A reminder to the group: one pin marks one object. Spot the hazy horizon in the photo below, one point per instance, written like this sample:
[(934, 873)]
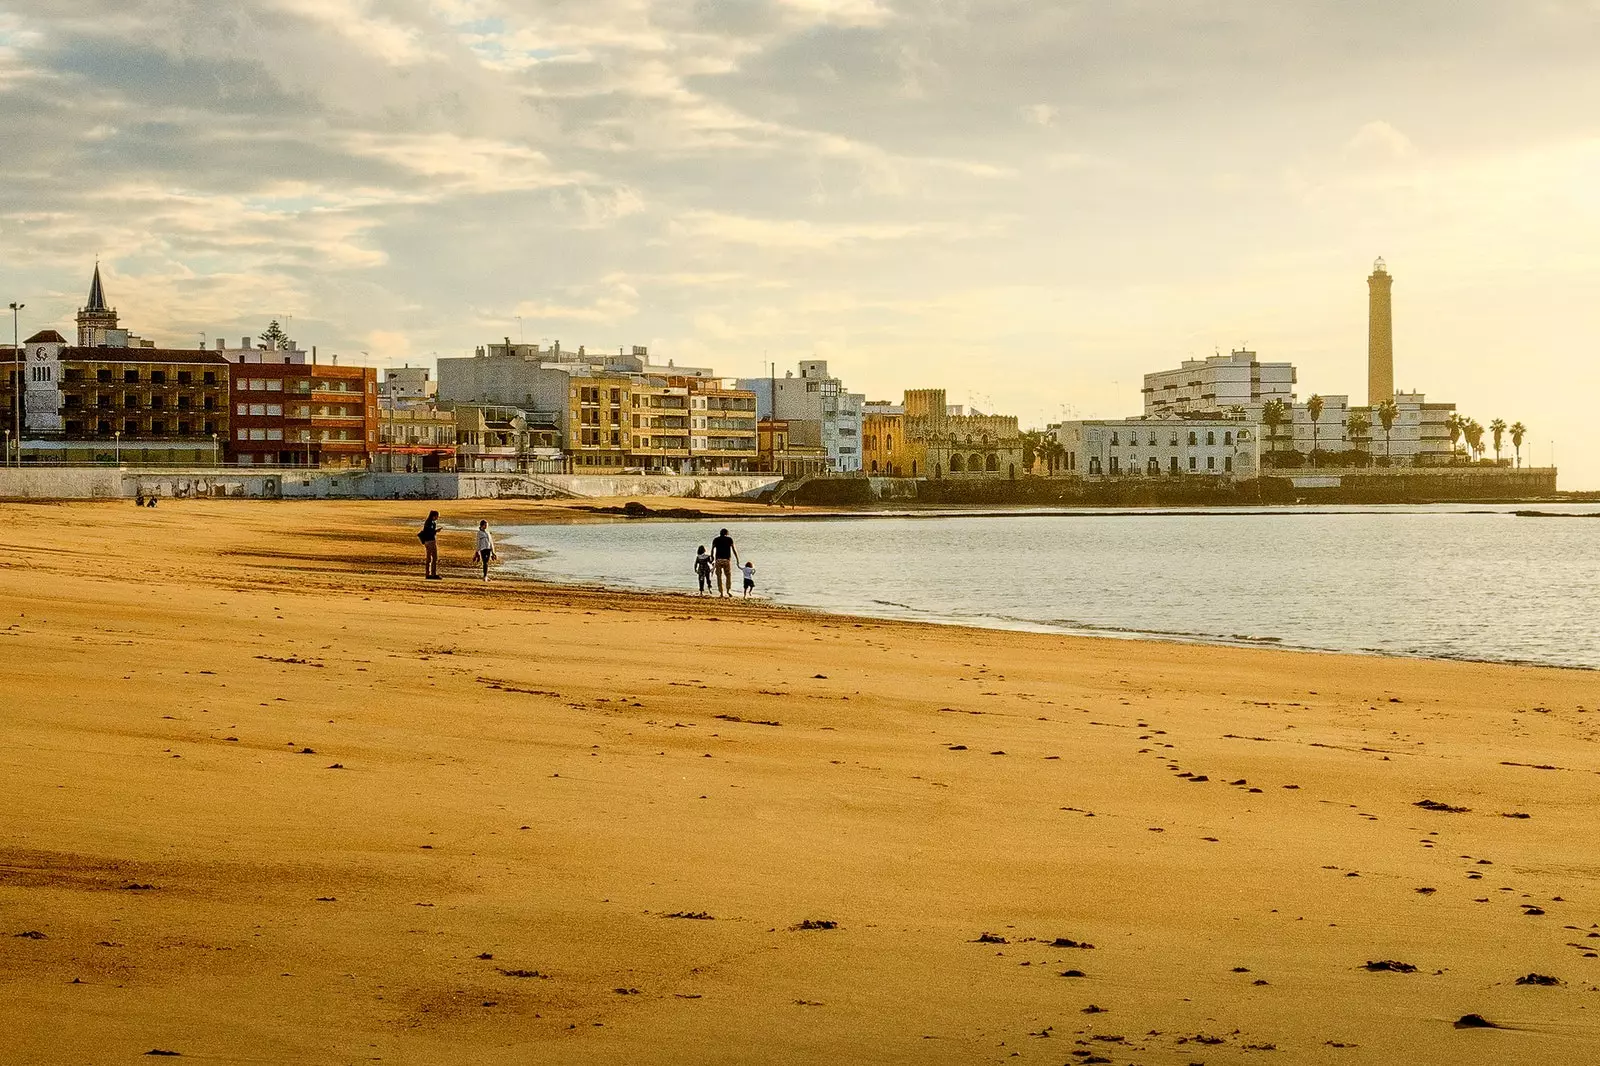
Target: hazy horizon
[(1028, 205)]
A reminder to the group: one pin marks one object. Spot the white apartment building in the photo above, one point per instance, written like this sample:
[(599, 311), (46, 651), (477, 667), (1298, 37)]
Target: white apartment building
[(1420, 429), (414, 383), (815, 396), (1161, 447), (1217, 383)]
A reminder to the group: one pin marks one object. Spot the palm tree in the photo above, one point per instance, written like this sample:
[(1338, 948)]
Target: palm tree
[(1474, 434), (1314, 409), (1356, 424), (1274, 413), (1387, 413), (1498, 428), (1518, 431), (1457, 426)]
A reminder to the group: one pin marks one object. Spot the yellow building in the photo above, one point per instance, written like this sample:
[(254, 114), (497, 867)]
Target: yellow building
[(791, 449), (660, 425), (722, 426), (927, 437), (599, 423)]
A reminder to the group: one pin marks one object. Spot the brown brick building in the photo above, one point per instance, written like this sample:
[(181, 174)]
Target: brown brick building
[(287, 410)]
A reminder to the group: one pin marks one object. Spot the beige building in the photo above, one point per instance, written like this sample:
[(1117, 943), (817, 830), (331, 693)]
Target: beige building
[(660, 425), (414, 438), (1160, 447), (791, 449), (926, 437)]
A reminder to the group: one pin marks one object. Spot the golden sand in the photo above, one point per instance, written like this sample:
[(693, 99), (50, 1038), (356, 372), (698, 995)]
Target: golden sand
[(269, 797)]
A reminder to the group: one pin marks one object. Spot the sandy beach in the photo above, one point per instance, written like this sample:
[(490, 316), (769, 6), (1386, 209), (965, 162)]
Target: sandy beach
[(269, 797)]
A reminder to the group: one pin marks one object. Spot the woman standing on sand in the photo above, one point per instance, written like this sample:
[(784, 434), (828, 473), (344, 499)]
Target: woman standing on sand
[(485, 546), (430, 546)]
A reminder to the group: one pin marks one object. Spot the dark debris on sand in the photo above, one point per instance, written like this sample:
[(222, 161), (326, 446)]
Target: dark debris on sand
[(1474, 1021), (815, 923), (1538, 979), (1390, 966), (1436, 805)]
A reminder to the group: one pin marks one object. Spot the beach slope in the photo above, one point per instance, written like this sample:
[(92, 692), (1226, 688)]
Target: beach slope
[(269, 797)]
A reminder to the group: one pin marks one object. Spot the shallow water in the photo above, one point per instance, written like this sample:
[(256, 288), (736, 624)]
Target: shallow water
[(1445, 581)]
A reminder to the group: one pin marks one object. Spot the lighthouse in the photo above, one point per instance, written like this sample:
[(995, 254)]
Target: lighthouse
[(1380, 336)]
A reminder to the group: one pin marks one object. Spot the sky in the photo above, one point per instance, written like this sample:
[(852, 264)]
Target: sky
[(1028, 203)]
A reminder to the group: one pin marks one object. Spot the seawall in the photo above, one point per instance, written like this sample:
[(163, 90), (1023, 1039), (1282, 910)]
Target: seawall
[(107, 482)]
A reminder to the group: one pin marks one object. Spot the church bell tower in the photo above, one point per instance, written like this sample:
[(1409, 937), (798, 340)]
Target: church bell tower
[(95, 316)]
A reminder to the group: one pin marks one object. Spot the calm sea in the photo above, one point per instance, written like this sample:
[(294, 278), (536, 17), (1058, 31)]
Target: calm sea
[(1447, 581)]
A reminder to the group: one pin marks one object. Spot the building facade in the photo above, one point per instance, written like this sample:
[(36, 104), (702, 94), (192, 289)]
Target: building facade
[(722, 428), (288, 410), (414, 437), (1160, 447), (407, 384), (815, 396), (1216, 384), (113, 397), (791, 450), (926, 437)]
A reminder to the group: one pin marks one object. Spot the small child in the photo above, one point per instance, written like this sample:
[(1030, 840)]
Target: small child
[(702, 568), (749, 577)]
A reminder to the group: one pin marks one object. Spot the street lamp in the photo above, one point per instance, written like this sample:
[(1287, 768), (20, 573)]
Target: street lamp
[(116, 439), (214, 450), (16, 381)]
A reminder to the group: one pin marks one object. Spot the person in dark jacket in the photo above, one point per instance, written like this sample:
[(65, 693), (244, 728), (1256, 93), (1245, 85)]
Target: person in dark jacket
[(430, 546)]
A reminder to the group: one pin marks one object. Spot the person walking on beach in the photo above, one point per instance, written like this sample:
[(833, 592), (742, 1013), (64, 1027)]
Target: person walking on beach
[(749, 578), (723, 556), (702, 568), (429, 536), (485, 547)]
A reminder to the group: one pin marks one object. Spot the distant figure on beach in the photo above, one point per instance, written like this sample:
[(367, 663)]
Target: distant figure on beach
[(702, 568), (749, 577), (429, 536), (485, 547), (152, 502), (723, 556), (138, 501)]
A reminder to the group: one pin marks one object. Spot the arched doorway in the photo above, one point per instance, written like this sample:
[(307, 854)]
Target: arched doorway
[(993, 464), (1094, 464), (957, 464)]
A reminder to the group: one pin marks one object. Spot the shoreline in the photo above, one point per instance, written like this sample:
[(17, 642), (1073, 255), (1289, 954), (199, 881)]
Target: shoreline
[(270, 795)]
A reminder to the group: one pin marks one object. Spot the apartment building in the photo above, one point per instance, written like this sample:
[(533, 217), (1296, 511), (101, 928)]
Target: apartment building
[(815, 396), (1216, 384), (790, 449), (414, 437), (722, 428), (661, 417), (287, 409)]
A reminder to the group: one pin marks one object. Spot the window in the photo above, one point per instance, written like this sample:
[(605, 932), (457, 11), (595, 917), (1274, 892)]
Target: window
[(1114, 443), (258, 409), (1211, 462), (130, 427), (102, 375), (1172, 466), (1227, 463), (1211, 437), (258, 434), (1192, 440), (158, 427), (257, 385), (244, 434), (185, 377), (1114, 467), (275, 410), (274, 434), (158, 377), (1191, 462), (130, 376), (211, 377), (158, 401), (243, 409), (274, 385), (1227, 437)]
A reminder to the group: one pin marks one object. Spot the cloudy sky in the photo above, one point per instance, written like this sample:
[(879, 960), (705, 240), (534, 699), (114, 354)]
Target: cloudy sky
[(1027, 202)]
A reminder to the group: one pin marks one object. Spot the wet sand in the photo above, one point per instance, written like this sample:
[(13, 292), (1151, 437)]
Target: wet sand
[(269, 797)]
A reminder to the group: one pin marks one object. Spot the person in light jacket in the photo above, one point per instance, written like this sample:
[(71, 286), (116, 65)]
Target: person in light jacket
[(485, 547)]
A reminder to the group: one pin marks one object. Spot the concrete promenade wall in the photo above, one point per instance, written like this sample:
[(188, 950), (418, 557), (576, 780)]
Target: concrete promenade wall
[(107, 482)]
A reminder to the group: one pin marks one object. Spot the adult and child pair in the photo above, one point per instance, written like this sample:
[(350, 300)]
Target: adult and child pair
[(721, 560), (429, 536)]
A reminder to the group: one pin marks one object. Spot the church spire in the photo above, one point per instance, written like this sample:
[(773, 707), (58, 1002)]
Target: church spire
[(96, 320), (97, 295)]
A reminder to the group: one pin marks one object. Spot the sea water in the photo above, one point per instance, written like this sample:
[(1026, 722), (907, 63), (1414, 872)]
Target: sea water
[(1444, 581)]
